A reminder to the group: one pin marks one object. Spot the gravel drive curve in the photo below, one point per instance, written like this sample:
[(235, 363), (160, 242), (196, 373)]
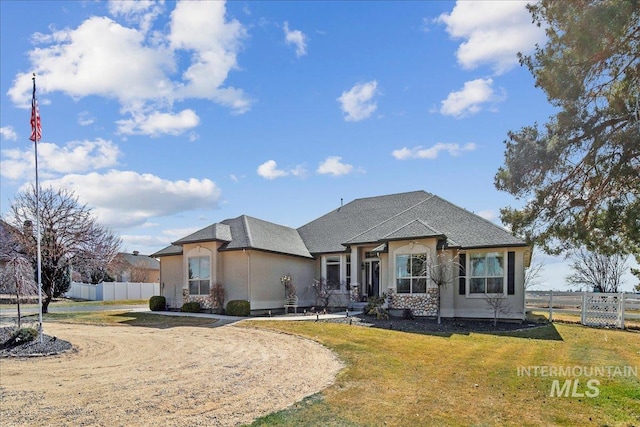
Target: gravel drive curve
[(181, 376)]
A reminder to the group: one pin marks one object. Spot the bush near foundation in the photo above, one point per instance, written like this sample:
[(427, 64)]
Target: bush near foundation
[(191, 307), (157, 303), (238, 308)]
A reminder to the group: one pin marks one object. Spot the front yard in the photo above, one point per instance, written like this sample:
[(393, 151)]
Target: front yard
[(405, 379), (390, 377)]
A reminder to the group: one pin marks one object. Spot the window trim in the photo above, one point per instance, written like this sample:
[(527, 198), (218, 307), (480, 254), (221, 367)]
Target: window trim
[(342, 287), (189, 280), (468, 277), (410, 254)]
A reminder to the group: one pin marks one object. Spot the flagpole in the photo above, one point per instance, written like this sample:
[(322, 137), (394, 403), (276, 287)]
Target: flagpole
[(35, 117)]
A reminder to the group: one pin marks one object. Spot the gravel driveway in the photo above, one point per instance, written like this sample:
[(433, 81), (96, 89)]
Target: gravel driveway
[(182, 376)]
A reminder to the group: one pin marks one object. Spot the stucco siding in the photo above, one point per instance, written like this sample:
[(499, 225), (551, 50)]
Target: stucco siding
[(171, 279), (255, 276)]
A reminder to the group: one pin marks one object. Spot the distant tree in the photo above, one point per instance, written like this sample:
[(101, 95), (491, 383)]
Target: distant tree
[(580, 173), (636, 272), (70, 236), (533, 273), (600, 272)]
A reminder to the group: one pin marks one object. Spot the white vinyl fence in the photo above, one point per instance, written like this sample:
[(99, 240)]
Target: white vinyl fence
[(595, 309), (111, 291)]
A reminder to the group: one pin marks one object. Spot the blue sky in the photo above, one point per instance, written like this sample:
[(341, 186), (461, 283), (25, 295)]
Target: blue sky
[(166, 117)]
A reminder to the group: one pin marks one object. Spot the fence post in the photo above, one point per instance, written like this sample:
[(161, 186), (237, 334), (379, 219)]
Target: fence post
[(621, 308), (583, 317), (551, 306)]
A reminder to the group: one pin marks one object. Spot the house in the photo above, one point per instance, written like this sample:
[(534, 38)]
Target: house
[(368, 247), (134, 267)]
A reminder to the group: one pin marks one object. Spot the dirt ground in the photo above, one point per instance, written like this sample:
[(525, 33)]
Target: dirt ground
[(182, 376)]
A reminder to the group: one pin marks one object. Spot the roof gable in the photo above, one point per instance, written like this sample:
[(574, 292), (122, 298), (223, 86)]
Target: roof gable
[(214, 232), (253, 233), (402, 216), (327, 233)]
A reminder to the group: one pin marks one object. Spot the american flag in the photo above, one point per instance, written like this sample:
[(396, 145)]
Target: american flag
[(36, 127)]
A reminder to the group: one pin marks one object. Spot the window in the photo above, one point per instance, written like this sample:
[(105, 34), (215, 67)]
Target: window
[(333, 272), (486, 273), (199, 275), (411, 274)]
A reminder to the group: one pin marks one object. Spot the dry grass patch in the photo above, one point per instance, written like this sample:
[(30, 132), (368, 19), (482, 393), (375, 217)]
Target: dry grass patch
[(123, 317), (404, 379)]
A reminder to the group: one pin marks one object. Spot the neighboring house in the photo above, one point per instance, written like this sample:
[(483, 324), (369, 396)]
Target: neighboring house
[(134, 267), (365, 248)]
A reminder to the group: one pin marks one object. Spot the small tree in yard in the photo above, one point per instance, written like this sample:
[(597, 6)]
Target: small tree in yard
[(17, 278), (499, 305), (441, 270), (322, 291), (70, 236)]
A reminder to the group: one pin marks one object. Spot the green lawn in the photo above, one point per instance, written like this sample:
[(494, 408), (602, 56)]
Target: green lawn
[(402, 379)]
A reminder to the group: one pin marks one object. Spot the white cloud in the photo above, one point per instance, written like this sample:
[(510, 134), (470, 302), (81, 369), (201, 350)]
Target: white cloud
[(8, 133), (470, 98), (432, 152), (357, 103), (85, 119), (127, 199), (158, 123), (494, 32), (141, 12), (296, 38), (137, 67), (269, 170), (333, 166), (53, 160)]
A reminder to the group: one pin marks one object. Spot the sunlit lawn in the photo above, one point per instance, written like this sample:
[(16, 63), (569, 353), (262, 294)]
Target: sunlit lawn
[(405, 379), (402, 379)]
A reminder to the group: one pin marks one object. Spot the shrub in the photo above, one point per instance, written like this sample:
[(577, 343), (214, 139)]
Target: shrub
[(374, 307), (191, 307), (157, 303), (20, 336), (238, 308)]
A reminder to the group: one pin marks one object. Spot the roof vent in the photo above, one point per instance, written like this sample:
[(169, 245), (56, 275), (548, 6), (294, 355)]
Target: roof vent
[(135, 253)]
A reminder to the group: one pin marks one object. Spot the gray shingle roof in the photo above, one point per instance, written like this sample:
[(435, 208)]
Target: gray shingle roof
[(215, 232), (245, 232), (144, 261), (327, 233), (253, 233), (402, 216), (168, 251)]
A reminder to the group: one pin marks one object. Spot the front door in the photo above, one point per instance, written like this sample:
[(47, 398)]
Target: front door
[(372, 277)]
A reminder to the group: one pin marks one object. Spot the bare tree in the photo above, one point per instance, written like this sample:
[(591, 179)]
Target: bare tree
[(602, 273), (533, 273), (16, 277), (441, 269), (70, 236), (323, 291), (499, 305)]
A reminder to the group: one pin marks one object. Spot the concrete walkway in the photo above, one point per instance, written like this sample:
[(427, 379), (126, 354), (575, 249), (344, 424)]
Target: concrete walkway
[(231, 319)]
